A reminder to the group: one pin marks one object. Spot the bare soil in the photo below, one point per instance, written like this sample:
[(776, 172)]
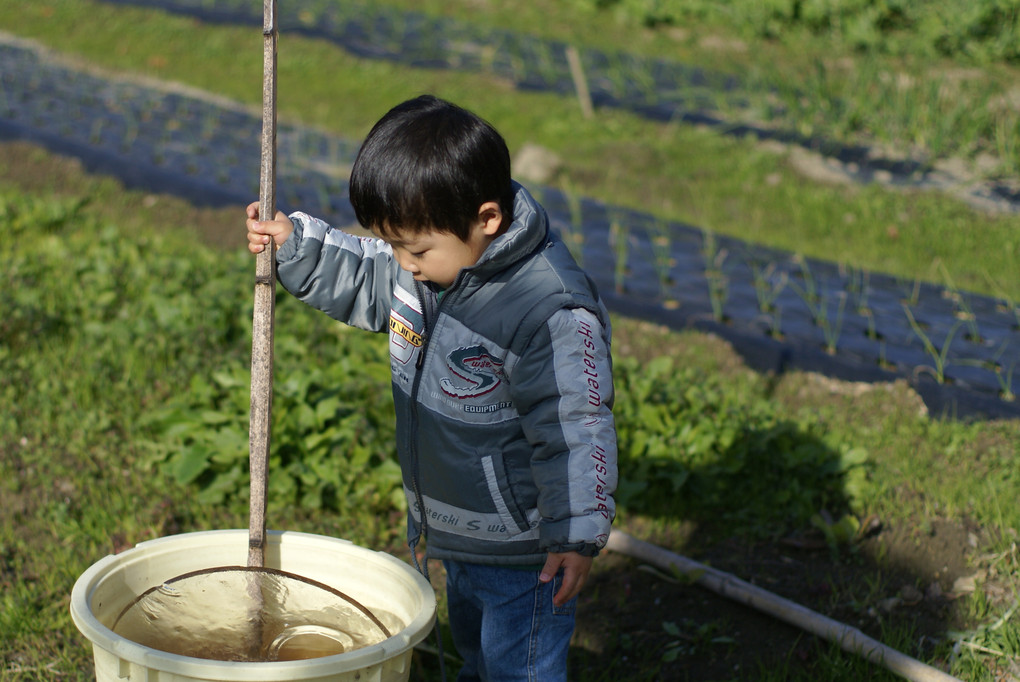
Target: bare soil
[(721, 639)]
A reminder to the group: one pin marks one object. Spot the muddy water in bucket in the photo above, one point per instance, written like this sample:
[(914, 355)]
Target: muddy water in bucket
[(238, 613), (387, 587)]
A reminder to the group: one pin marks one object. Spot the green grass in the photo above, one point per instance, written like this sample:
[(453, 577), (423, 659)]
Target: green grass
[(729, 186)]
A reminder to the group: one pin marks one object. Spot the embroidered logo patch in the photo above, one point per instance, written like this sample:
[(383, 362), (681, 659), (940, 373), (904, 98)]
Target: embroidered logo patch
[(477, 371), (403, 330), (406, 323)]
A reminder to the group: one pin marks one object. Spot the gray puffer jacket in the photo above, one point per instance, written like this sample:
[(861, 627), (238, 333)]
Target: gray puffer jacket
[(502, 386)]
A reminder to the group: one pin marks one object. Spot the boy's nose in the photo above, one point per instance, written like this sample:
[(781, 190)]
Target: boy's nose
[(405, 261)]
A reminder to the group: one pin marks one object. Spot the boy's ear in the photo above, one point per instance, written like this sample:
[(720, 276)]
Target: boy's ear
[(491, 217)]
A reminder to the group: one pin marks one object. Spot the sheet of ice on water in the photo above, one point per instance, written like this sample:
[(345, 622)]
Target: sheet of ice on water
[(239, 614)]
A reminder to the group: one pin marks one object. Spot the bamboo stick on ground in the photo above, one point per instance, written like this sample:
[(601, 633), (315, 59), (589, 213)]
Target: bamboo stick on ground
[(848, 638)]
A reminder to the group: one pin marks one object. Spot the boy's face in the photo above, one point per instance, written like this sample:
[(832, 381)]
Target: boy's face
[(437, 257)]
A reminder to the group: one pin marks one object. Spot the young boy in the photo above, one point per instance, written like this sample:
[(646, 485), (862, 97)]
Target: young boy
[(502, 378)]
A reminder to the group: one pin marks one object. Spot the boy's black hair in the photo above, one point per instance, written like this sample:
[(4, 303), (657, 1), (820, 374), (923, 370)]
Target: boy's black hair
[(429, 164)]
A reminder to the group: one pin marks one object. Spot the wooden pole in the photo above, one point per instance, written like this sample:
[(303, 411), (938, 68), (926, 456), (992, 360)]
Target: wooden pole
[(580, 82), (265, 306), (848, 638)]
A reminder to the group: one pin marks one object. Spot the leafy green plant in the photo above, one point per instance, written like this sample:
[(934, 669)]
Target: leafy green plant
[(151, 319), (938, 355), (142, 297), (574, 232), (831, 329), (818, 305), (808, 290), (333, 438), (872, 331), (983, 29), (718, 282), (859, 288), (707, 450), (621, 251), (962, 309), (767, 284), (662, 256), (913, 296), (1007, 303), (691, 638), (1004, 375), (776, 322), (1005, 379), (838, 533)]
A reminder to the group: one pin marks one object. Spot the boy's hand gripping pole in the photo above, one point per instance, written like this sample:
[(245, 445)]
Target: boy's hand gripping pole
[(265, 305)]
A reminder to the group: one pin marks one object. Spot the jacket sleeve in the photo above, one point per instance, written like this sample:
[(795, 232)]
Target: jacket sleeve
[(563, 387), (347, 277)]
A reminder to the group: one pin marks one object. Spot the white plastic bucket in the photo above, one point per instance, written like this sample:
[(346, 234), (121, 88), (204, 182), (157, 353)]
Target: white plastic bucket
[(375, 579)]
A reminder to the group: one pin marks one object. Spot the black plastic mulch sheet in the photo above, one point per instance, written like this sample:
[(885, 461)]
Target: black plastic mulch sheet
[(961, 351)]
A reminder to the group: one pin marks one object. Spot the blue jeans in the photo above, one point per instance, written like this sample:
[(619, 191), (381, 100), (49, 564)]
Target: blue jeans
[(505, 626)]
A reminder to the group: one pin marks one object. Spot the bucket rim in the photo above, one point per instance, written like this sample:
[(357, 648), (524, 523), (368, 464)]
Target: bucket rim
[(104, 638)]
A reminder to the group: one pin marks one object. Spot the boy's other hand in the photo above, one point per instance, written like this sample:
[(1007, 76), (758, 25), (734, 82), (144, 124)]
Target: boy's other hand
[(575, 573), (260, 232)]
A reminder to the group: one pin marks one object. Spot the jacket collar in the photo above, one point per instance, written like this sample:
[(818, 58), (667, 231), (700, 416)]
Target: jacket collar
[(528, 230)]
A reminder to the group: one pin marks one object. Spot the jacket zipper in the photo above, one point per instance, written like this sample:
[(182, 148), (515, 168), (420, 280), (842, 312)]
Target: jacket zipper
[(413, 428)]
